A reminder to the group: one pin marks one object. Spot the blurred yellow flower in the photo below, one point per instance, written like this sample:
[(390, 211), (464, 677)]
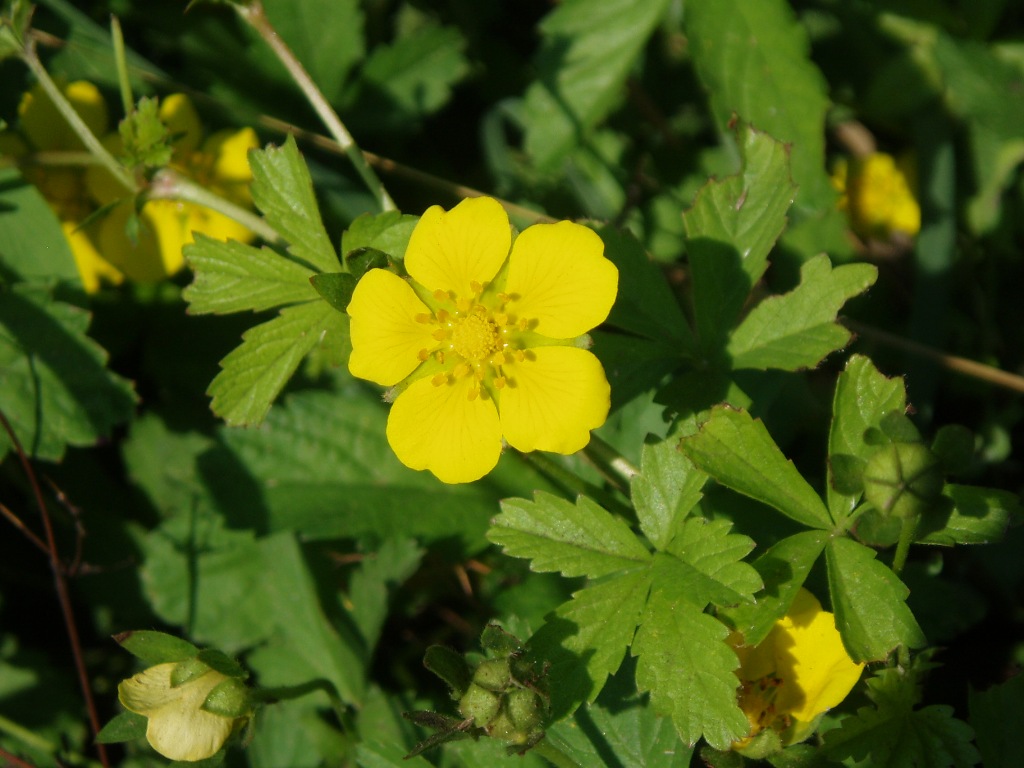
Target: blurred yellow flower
[(103, 250), (878, 195), (179, 726), (797, 673), (483, 340)]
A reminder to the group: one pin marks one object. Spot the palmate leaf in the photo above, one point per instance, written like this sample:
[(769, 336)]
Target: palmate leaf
[(730, 229), (737, 451), (587, 51), (798, 329), (978, 516), (754, 60), (665, 491), (579, 539), (990, 711), (707, 558)]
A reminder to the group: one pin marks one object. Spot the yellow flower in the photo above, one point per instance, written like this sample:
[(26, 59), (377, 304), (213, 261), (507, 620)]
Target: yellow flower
[(878, 195), (797, 673), (483, 341), (180, 726)]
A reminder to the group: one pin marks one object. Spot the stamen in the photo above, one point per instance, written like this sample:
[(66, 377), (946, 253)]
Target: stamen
[(441, 334), (440, 356), (500, 318), (423, 355), (439, 379), (476, 287), (499, 359), (443, 315), (441, 295), (499, 382), (524, 324), (473, 393), (463, 305), (504, 298), (423, 317), (520, 355), (460, 370)]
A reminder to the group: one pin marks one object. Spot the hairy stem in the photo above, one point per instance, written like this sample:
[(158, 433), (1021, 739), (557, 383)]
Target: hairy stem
[(907, 531), (554, 755)]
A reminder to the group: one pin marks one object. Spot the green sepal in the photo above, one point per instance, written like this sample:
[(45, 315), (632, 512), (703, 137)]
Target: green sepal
[(229, 698), (450, 666), (899, 428), (847, 473), (126, 726), (500, 642), (187, 671), (362, 260), (156, 647), (336, 288), (221, 662)]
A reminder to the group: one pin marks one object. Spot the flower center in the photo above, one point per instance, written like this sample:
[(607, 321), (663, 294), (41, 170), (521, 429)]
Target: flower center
[(757, 700), (474, 337)]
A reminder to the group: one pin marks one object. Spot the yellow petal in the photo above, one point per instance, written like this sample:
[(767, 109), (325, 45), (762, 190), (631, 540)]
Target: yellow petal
[(230, 153), (178, 728), (386, 337), (46, 128), (159, 233), (816, 670), (179, 115), (558, 276), (469, 243), (92, 268), (553, 399), (100, 182), (439, 428)]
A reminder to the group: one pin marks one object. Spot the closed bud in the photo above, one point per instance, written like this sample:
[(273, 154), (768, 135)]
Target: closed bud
[(479, 704), (903, 479), (229, 698), (524, 708), (493, 674)]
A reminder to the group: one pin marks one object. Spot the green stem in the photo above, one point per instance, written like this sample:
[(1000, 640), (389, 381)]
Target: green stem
[(75, 122), (576, 485), (170, 185), (121, 60), (554, 755), (612, 463), (907, 531), (254, 15)]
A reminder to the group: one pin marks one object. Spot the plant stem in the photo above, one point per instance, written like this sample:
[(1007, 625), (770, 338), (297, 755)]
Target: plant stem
[(612, 463), (907, 531), (121, 60), (61, 585), (170, 185), (74, 121), (254, 14), (554, 755)]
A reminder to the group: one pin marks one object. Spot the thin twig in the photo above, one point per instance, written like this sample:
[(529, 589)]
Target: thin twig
[(62, 587), (961, 365), (12, 761), (17, 523)]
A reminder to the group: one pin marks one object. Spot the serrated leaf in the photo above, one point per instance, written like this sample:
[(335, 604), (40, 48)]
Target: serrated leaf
[(144, 137), (32, 244), (798, 329), (156, 647), (688, 667), (715, 553), (978, 516), (783, 569), (869, 602), (388, 232), (335, 288), (585, 639), (862, 399), (754, 60), (665, 491), (991, 710), (54, 385), (234, 277), (579, 539), (370, 585), (283, 191), (586, 54), (254, 373), (125, 726), (737, 451), (730, 229)]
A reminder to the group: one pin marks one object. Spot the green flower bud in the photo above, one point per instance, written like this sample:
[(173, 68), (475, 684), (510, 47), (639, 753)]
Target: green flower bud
[(493, 674), (903, 480), (525, 709), (229, 698), (502, 727), (479, 704)]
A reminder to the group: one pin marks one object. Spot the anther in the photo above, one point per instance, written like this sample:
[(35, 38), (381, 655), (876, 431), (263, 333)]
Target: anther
[(504, 298), (498, 359), (439, 379), (440, 334), (499, 382), (443, 315), (423, 355), (524, 324), (520, 355), (463, 305), (441, 295), (476, 287), (500, 318), (473, 393), (460, 370)]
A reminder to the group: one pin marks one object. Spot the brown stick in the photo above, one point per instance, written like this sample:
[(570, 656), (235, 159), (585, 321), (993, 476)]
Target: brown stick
[(12, 761), (62, 588)]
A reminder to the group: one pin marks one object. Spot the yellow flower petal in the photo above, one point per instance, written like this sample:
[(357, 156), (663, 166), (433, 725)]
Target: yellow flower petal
[(157, 250), (92, 267), (439, 428), (553, 399), (100, 182), (46, 128), (469, 243), (558, 276), (386, 337), (178, 728), (230, 153), (179, 115)]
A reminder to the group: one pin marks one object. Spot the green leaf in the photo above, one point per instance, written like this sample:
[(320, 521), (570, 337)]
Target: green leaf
[(32, 244), (145, 139), (335, 288), (388, 232), (737, 451), (586, 53), (707, 557), (978, 516), (688, 667), (798, 329), (378, 575), (585, 639), (234, 277), (125, 726), (869, 602), (783, 568), (754, 60), (863, 398), (283, 191), (450, 666), (665, 491), (991, 710), (54, 385), (255, 372), (730, 229), (577, 540), (156, 647)]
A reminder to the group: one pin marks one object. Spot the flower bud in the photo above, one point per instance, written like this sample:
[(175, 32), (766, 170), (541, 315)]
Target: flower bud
[(903, 479), (479, 704), (493, 674), (525, 709), (229, 698)]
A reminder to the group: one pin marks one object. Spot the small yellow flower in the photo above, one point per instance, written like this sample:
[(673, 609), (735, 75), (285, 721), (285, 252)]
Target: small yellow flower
[(797, 673), (878, 195), (179, 727), (483, 340)]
